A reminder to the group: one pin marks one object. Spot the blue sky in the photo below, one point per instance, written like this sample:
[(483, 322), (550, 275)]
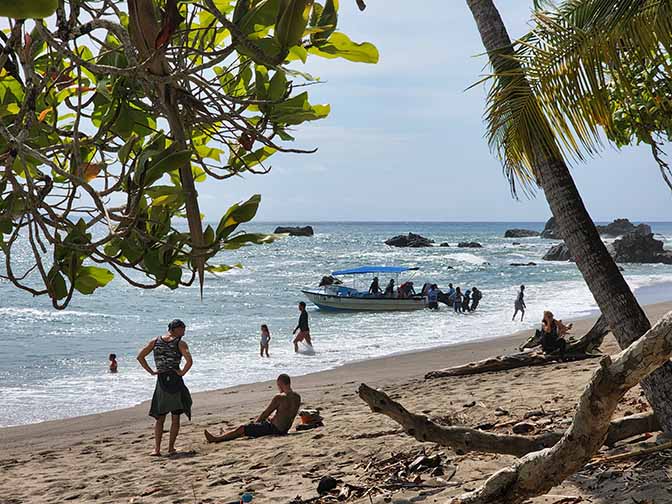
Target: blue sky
[(404, 140)]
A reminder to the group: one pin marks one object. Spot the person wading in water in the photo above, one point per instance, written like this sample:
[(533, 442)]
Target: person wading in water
[(170, 393), (302, 328)]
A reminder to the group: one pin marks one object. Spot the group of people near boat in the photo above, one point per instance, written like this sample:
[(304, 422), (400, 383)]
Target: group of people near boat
[(171, 395), (461, 301)]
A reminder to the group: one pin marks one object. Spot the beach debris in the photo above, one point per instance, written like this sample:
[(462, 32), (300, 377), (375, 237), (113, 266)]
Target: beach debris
[(411, 240), (469, 404), (501, 411), (326, 484), (469, 245), (523, 428)]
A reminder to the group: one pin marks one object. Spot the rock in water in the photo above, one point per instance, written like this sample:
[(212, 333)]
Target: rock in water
[(558, 252), (469, 245), (295, 230), (636, 247), (551, 231), (617, 228), (445, 244), (410, 240), (520, 233)]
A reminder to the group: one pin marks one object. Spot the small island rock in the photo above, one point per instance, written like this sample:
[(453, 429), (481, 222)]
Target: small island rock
[(295, 230), (636, 247), (411, 240), (469, 245), (558, 252), (520, 233)]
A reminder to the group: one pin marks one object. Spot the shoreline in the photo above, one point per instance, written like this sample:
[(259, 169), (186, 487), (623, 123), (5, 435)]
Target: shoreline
[(388, 369)]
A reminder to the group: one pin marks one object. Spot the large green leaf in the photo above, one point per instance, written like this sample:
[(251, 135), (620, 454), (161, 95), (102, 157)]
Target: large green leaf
[(237, 214), (89, 278), (27, 9), (339, 45), (249, 239), (297, 110)]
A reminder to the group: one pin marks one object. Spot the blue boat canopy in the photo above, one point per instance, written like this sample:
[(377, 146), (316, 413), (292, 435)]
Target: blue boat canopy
[(364, 270)]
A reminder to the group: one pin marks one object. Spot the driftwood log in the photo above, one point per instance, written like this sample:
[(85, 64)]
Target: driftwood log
[(580, 349), (465, 439)]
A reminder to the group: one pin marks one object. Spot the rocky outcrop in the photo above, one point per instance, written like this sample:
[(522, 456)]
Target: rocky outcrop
[(620, 227), (551, 231), (524, 264), (558, 252), (410, 240), (520, 233), (295, 230), (469, 245), (636, 247), (445, 244)]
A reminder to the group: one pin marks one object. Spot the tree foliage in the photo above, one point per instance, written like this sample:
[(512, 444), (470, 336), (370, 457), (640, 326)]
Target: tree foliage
[(112, 112), (603, 66)]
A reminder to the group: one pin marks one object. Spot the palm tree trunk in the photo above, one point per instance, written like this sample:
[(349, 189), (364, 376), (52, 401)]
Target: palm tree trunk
[(610, 290)]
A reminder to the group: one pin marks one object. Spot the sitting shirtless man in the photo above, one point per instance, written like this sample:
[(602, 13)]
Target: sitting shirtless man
[(285, 405)]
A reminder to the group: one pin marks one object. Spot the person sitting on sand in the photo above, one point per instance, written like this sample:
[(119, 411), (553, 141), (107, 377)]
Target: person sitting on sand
[(389, 290), (476, 296), (302, 328), (552, 334), (171, 395), (519, 304), (113, 363), (374, 289), (265, 339), (285, 405)]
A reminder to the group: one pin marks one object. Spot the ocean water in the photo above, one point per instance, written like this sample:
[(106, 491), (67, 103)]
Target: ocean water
[(54, 363)]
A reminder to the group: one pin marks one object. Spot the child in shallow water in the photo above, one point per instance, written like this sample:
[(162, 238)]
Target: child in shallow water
[(113, 363), (265, 339)]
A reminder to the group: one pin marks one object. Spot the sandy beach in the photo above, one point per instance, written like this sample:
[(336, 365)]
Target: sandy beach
[(105, 457)]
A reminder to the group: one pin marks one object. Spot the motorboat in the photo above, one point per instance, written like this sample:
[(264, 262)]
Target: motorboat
[(355, 297)]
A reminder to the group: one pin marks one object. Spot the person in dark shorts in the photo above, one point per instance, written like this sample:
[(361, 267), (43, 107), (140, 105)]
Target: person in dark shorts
[(284, 407), (171, 395), (302, 328), (519, 304)]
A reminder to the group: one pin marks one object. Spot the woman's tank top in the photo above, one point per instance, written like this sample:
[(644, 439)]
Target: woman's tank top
[(167, 355)]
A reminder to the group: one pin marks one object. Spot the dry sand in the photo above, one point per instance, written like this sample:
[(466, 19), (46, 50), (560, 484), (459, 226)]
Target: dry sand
[(104, 457)]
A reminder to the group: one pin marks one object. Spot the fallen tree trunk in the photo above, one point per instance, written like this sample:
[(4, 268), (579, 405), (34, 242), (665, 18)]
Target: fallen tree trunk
[(536, 473), (504, 362), (465, 439), (576, 350)]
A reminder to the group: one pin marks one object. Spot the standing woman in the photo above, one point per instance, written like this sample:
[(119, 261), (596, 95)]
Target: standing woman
[(170, 394)]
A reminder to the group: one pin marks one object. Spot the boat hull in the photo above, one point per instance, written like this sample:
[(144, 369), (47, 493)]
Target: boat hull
[(326, 301)]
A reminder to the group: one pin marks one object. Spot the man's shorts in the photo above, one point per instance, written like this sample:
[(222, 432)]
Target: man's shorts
[(260, 429)]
